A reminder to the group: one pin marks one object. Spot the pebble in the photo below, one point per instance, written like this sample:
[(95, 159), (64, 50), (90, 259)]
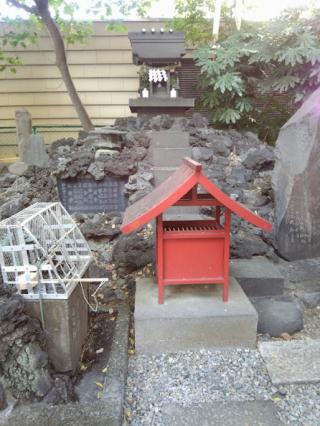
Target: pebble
[(187, 378)]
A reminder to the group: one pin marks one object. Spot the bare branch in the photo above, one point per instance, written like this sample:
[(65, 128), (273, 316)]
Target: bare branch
[(22, 6)]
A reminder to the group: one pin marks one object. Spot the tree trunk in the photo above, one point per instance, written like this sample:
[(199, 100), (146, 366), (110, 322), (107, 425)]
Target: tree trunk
[(216, 21), (62, 64)]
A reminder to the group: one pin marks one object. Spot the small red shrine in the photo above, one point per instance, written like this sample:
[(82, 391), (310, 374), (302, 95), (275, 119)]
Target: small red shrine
[(190, 251)]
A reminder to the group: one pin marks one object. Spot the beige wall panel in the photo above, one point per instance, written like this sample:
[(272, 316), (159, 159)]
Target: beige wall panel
[(57, 99), (51, 71), (62, 121), (78, 57), (107, 41), (56, 85), (100, 111)]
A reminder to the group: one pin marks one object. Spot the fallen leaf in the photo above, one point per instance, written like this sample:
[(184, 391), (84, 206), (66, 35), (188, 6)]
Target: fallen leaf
[(100, 385), (99, 351), (131, 351), (105, 370)]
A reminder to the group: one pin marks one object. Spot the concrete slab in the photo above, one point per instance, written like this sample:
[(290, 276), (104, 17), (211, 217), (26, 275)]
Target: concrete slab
[(170, 157), (244, 413), (257, 276), (170, 139), (192, 317), (66, 323), (290, 362), (162, 173)]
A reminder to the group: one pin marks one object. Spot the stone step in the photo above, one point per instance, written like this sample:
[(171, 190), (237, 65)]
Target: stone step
[(257, 276), (169, 139), (292, 362), (169, 157), (240, 413), (162, 173), (192, 317)]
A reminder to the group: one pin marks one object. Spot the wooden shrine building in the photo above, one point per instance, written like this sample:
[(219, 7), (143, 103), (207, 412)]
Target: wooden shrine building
[(190, 251)]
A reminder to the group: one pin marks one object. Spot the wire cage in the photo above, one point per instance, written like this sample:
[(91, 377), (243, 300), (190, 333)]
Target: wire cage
[(42, 252)]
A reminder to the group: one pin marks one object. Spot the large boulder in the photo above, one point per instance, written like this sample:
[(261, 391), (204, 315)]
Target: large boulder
[(296, 183), (278, 316), (132, 252)]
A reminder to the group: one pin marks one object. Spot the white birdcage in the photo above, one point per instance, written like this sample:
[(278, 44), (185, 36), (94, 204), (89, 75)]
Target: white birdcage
[(42, 252)]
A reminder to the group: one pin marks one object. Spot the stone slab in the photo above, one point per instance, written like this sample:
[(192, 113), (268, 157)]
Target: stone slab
[(243, 413), (192, 317), (170, 157), (292, 362), (85, 195), (170, 139), (66, 324), (257, 276), (162, 173)]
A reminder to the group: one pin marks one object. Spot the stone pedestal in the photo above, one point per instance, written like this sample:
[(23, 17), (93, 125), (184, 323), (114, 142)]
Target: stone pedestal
[(192, 317), (66, 324)]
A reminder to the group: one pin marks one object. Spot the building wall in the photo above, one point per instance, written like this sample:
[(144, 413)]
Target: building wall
[(103, 74)]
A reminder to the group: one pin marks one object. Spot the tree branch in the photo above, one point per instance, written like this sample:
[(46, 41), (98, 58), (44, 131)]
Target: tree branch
[(24, 7)]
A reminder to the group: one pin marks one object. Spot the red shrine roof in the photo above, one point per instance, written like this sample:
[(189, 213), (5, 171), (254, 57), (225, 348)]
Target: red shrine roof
[(173, 189)]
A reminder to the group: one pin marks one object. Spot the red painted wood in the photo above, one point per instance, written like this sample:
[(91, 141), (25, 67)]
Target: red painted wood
[(173, 189), (160, 259), (196, 251)]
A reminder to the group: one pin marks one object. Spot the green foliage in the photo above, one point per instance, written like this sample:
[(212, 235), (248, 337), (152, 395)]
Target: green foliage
[(279, 57)]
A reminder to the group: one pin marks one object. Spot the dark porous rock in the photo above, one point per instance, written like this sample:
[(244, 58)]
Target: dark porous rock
[(6, 180), (278, 316), (159, 122), (96, 170), (119, 168), (62, 391), (12, 206), (3, 398), (309, 299), (254, 198), (132, 252), (202, 153), (220, 148), (98, 271), (245, 245), (126, 123), (102, 225), (24, 364), (198, 120), (261, 158), (64, 142), (140, 139)]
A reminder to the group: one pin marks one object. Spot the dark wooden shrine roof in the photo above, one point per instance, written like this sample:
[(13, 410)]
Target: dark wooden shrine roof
[(173, 189)]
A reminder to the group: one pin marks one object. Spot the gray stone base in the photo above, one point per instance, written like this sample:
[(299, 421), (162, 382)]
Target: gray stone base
[(296, 361), (66, 325), (257, 276), (243, 413), (192, 317)]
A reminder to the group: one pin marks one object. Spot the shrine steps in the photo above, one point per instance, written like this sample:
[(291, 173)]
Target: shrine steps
[(192, 317)]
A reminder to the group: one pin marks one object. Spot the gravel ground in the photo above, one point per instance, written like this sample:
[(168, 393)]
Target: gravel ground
[(191, 378), (299, 404), (187, 378)]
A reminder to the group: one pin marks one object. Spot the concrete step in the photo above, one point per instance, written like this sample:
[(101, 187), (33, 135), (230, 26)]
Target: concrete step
[(292, 362), (192, 317), (170, 139), (233, 413), (257, 276), (169, 157)]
